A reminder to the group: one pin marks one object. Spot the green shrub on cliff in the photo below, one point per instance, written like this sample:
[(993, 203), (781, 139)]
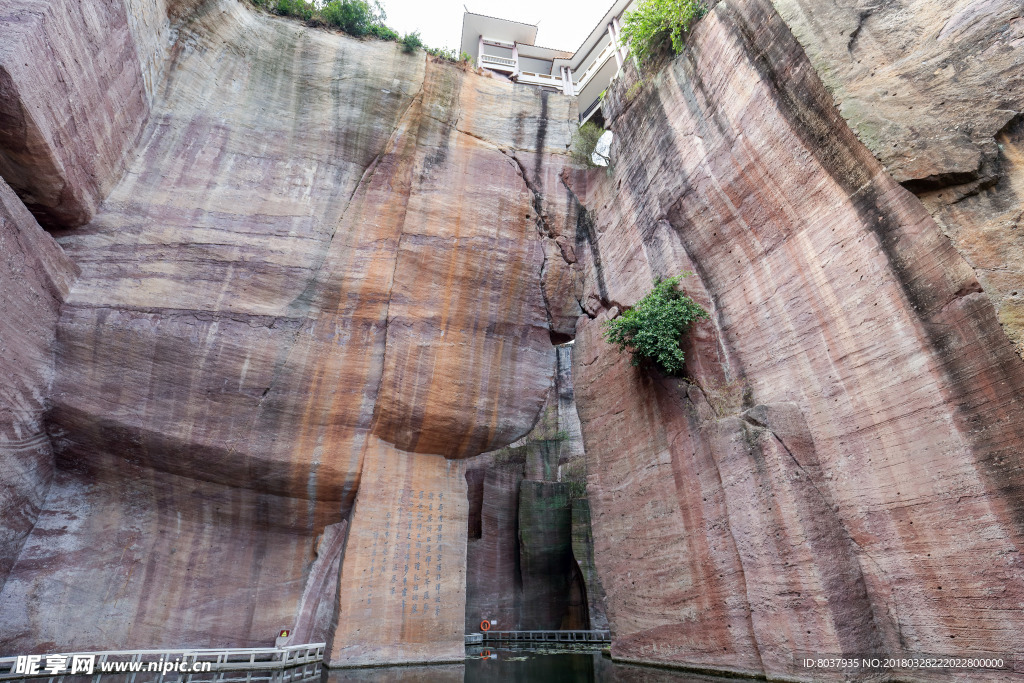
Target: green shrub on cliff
[(295, 8), (651, 330), (654, 21), (584, 142), (411, 42), (354, 17), (384, 32)]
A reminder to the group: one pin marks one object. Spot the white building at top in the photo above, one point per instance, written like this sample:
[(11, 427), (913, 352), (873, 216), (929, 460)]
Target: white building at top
[(509, 47)]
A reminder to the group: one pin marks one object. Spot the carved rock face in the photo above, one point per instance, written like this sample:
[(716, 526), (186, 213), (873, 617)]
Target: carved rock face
[(319, 243), (935, 92), (840, 476), (316, 273), (34, 278)]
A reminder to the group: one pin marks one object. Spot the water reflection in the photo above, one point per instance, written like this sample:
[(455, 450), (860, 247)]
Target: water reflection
[(434, 673), (523, 666), (490, 666)]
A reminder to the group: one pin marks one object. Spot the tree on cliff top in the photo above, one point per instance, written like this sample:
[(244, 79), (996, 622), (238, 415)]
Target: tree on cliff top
[(651, 329), (654, 21), (356, 17)]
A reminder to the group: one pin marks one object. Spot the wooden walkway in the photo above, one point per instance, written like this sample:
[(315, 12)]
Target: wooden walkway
[(544, 637), (235, 665)]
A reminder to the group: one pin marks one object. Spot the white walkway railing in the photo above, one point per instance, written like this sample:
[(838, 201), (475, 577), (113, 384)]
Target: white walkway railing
[(546, 636), (292, 663), (595, 66)]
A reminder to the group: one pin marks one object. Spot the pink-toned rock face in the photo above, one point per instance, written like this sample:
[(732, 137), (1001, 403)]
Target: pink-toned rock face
[(316, 273), (849, 344), (291, 269), (75, 86), (402, 588), (935, 91), (34, 278)]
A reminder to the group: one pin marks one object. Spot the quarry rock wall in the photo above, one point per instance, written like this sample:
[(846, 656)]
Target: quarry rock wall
[(35, 276), (321, 252), (935, 93), (840, 470), (301, 281)]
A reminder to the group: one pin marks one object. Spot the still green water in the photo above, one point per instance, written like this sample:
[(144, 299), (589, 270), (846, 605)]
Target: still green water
[(524, 666)]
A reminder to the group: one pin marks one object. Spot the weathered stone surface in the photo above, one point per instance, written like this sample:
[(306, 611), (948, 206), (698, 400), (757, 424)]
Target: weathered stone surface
[(125, 556), (321, 267), (833, 293), (318, 608), (935, 91), (530, 555), (281, 279), (494, 583), (76, 83), (403, 581), (443, 291), (583, 552), (662, 546), (925, 86), (545, 559), (35, 276)]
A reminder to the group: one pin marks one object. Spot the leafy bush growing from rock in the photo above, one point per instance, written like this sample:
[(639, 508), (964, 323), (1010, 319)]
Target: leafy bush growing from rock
[(294, 8), (651, 330), (411, 42), (384, 32), (654, 21), (354, 17), (584, 142)]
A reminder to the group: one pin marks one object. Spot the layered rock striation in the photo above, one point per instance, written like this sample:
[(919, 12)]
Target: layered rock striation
[(935, 92), (35, 276), (840, 472), (530, 553), (77, 82), (315, 275), (283, 287)]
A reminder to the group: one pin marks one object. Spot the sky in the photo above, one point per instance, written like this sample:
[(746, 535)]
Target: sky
[(561, 25)]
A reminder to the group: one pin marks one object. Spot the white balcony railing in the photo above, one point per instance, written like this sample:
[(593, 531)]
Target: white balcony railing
[(499, 43), (595, 66), (503, 62), (539, 79)]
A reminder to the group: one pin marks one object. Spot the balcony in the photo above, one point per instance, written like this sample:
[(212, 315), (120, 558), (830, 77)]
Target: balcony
[(539, 79), (496, 62), (595, 66)]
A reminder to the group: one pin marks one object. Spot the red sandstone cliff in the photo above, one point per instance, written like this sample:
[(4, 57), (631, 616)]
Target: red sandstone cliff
[(841, 471), (317, 274), (284, 289)]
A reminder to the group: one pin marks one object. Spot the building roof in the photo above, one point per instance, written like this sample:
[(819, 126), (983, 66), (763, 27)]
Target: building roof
[(476, 25), (538, 52), (525, 36), (596, 35)]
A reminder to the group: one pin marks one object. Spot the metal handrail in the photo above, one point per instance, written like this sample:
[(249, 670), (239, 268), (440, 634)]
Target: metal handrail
[(219, 659), (547, 77), (548, 636)]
